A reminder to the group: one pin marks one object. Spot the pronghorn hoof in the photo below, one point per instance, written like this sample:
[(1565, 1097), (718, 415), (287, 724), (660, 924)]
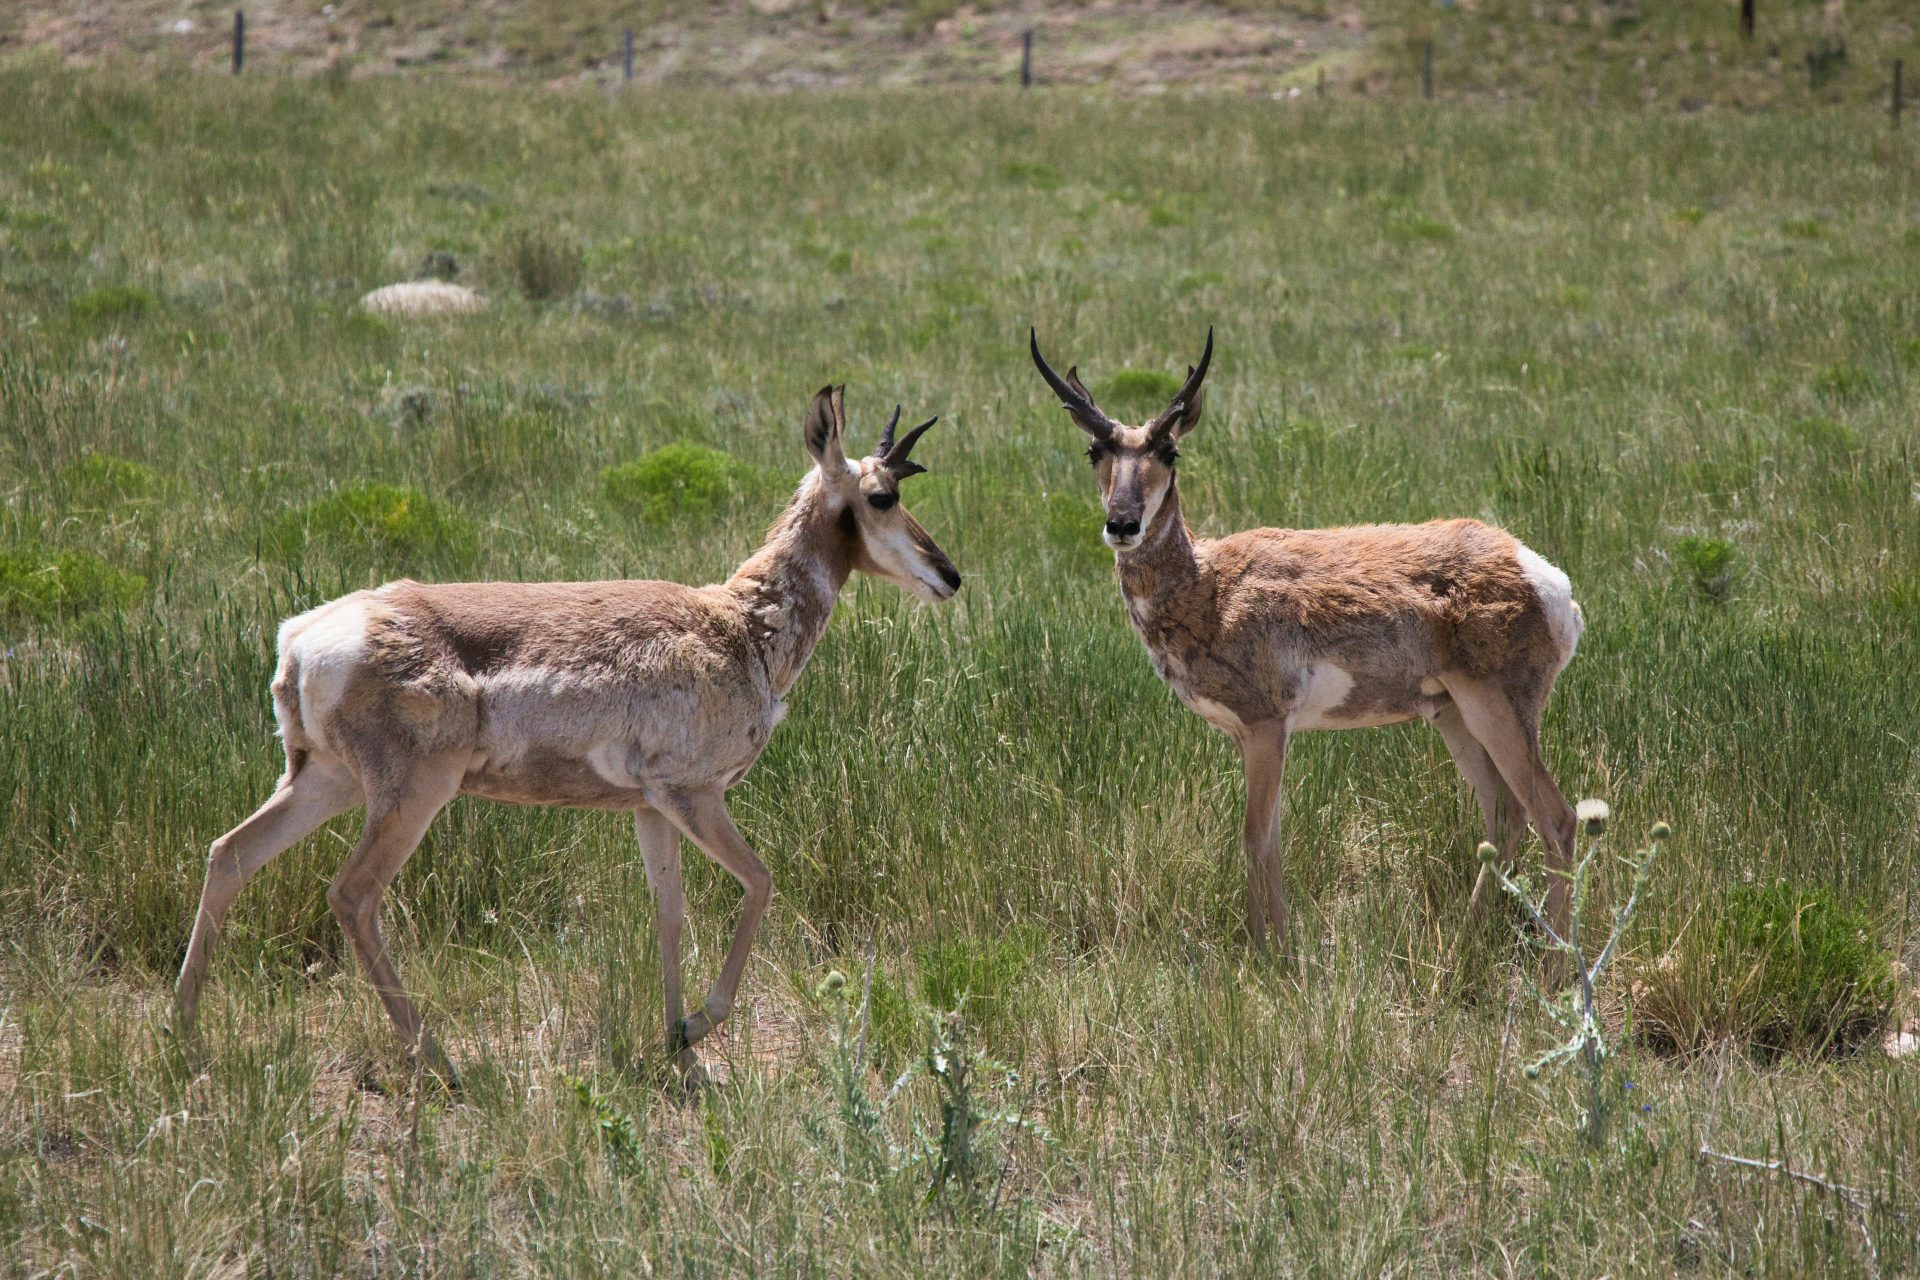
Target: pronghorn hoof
[(688, 1031)]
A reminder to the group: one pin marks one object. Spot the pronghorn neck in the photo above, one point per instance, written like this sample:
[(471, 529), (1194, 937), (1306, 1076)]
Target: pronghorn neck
[(788, 587), (1164, 561)]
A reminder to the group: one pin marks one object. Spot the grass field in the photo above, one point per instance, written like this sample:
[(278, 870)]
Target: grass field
[(1679, 356)]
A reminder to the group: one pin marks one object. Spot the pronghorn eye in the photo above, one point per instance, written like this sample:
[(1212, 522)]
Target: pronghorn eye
[(881, 501), (1094, 452), (1168, 454)]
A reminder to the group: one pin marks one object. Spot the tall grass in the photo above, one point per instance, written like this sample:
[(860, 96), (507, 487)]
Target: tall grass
[(1598, 332)]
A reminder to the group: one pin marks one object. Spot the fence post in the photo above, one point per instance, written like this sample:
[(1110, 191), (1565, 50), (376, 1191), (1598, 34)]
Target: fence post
[(1426, 71), (626, 55), (239, 40), (1746, 18), (1896, 92), (1026, 58)]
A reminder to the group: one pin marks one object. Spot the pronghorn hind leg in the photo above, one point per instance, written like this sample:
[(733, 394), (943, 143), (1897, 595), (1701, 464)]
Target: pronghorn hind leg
[(1512, 740), (312, 793), (398, 815), (703, 817), (660, 853), (1263, 756)]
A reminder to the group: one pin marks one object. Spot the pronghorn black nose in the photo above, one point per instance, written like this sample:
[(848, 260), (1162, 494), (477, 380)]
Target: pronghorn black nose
[(1123, 528), (949, 575)]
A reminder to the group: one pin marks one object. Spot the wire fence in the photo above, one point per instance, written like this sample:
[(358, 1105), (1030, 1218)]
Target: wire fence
[(1822, 61)]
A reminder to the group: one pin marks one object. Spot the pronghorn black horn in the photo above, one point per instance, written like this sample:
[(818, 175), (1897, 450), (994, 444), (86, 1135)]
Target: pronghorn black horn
[(895, 458), (885, 446), (1184, 398), (1073, 400)]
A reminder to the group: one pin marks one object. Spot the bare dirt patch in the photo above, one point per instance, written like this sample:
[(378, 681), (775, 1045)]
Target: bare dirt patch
[(1144, 47)]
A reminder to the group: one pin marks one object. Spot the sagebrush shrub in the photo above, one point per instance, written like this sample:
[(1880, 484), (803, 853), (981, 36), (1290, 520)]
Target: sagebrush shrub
[(392, 521), (38, 584), (1135, 392), (1710, 564), (111, 304), (98, 477), (677, 480), (1774, 969)]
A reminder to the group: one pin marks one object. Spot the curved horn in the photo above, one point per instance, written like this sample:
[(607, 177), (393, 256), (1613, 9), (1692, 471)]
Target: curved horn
[(885, 446), (895, 458), (1074, 401)]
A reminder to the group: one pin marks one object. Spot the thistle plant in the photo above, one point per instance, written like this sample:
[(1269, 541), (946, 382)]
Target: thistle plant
[(977, 1103), (1572, 1010)]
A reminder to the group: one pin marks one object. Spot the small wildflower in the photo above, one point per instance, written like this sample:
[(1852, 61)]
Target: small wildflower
[(1593, 815)]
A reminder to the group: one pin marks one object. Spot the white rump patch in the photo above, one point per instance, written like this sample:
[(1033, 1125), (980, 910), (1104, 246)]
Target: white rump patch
[(326, 646), (422, 298), (1564, 619)]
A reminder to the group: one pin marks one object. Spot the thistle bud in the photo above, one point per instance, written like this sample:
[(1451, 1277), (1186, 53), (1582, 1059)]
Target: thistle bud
[(1487, 852), (1661, 831)]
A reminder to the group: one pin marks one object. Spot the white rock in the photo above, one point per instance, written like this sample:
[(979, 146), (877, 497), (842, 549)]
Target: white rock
[(422, 298)]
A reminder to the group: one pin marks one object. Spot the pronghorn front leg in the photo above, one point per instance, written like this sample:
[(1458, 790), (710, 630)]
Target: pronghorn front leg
[(1263, 755), (660, 852), (703, 816)]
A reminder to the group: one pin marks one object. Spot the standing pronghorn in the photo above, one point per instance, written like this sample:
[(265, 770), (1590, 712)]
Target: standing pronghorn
[(1275, 630), (646, 696)]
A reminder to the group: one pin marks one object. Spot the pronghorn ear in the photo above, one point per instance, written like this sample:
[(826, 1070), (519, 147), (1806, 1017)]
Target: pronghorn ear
[(826, 424)]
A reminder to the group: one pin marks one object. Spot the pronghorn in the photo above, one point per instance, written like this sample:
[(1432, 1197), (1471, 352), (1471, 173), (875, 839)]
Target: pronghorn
[(644, 696), (1272, 631)]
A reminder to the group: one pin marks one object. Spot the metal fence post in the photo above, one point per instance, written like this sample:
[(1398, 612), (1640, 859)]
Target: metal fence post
[(1026, 58), (626, 55), (239, 40)]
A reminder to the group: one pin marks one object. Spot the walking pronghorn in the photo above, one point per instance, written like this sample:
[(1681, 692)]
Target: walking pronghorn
[(645, 696), (1272, 631)]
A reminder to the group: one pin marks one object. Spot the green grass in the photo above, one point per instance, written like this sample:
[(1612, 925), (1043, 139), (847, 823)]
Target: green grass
[(998, 798)]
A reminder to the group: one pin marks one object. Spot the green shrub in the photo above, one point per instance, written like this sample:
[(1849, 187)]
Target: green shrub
[(40, 585), (100, 477), (975, 977), (1824, 435), (1711, 565), (1775, 969), (1033, 173), (392, 521), (111, 304), (677, 480), (1804, 228), (1138, 391), (546, 261), (1843, 381), (1408, 226)]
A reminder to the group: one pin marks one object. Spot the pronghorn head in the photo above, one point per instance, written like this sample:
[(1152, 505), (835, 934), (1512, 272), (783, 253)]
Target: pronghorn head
[(1134, 465), (865, 496)]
